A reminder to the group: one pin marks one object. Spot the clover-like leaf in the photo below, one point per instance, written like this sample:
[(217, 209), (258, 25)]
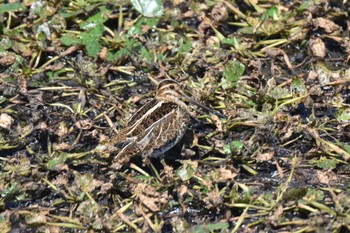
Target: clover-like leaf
[(232, 72), (149, 8)]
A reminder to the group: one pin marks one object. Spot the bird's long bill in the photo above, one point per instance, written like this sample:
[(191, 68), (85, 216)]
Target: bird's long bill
[(203, 106)]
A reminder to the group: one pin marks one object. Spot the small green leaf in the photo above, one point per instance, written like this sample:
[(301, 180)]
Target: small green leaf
[(35, 218), (298, 86), (247, 30), (94, 29), (306, 4), (100, 17), (314, 195), (121, 52), (278, 93), (88, 208), (11, 7), (185, 46), (90, 40), (148, 8), (10, 189), (145, 54), (55, 164), (85, 181), (232, 72), (187, 170), (233, 147), (137, 27), (294, 193), (324, 73), (70, 40), (2, 99), (220, 226), (151, 22), (229, 41), (324, 163), (5, 43), (344, 146), (343, 114), (5, 222), (272, 13)]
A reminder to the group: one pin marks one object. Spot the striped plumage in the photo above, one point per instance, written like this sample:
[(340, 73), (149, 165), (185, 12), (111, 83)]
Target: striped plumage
[(157, 126)]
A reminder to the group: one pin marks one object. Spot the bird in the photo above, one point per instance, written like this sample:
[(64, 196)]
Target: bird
[(157, 126)]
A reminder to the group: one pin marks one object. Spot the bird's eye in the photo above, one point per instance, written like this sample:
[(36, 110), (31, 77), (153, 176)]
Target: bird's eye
[(171, 87)]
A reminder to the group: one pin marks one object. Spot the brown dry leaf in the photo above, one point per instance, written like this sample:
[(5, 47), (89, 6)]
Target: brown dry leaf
[(219, 12), (54, 229), (289, 132), (84, 124), (86, 182), (187, 153), (218, 143), (70, 50), (205, 23), (214, 199), (195, 141), (61, 167), (207, 183), (279, 169), (277, 214), (23, 49), (149, 196), (182, 190), (43, 126), (177, 2), (326, 176), (188, 14), (2, 184), (61, 146), (274, 52), (7, 58), (312, 76), (23, 85), (106, 187), (61, 180), (318, 48), (218, 123), (82, 98), (167, 173), (6, 120), (316, 90), (103, 54), (97, 183), (212, 41), (135, 99), (145, 29), (62, 129), (55, 67), (265, 156), (103, 138), (179, 224), (326, 24), (94, 133), (226, 175), (36, 218), (322, 177)]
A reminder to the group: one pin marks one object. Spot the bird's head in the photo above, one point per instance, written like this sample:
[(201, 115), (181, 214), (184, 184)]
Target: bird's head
[(169, 90)]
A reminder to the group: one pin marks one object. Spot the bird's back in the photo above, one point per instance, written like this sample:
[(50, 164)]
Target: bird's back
[(151, 131)]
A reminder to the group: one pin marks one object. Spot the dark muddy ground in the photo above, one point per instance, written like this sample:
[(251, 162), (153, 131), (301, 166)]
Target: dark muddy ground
[(72, 73)]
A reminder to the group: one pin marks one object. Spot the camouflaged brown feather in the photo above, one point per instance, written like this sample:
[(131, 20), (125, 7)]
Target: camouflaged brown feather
[(157, 126)]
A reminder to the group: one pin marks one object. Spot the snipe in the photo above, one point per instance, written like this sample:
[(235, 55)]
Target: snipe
[(157, 126)]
